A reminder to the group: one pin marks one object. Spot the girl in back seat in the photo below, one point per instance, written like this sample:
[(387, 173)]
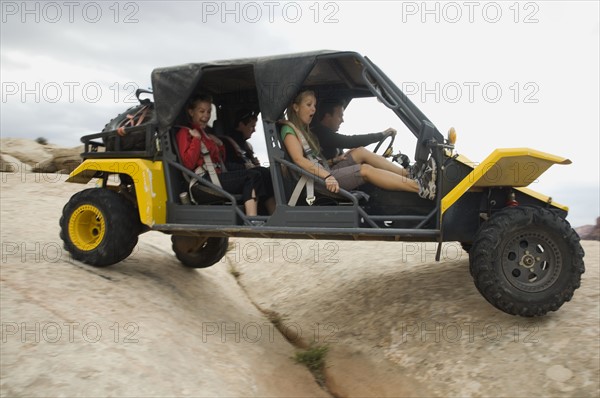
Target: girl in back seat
[(190, 141)]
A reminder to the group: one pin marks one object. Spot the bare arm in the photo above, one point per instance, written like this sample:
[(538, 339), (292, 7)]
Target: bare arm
[(294, 149)]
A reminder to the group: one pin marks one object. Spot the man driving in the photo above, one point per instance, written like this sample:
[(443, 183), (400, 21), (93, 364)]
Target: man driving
[(327, 121)]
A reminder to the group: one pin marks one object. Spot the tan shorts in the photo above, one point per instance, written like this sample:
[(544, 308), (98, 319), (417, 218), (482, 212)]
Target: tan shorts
[(347, 173)]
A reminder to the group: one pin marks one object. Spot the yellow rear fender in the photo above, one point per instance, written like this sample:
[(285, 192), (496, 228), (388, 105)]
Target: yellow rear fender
[(147, 176), (511, 167)]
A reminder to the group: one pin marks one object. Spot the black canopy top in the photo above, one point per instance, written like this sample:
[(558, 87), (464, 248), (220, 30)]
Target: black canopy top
[(275, 80)]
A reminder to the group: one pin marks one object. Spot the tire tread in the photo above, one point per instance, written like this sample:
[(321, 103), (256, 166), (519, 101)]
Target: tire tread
[(484, 264)]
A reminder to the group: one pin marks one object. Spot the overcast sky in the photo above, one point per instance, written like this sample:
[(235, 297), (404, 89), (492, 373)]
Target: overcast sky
[(504, 74)]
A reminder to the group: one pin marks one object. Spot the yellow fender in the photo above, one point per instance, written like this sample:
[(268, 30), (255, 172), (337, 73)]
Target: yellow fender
[(507, 167), (148, 177)]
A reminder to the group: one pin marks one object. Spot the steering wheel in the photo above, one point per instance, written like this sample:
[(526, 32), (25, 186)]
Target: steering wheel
[(388, 151)]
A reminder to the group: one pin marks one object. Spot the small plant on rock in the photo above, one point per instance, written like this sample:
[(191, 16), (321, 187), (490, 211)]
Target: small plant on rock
[(314, 359)]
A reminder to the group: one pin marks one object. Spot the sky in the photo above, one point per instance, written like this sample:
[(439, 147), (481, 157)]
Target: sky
[(503, 74)]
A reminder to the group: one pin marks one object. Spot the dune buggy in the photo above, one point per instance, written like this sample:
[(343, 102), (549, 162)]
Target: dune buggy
[(524, 256)]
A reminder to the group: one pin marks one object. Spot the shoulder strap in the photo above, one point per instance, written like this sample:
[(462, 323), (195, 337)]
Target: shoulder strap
[(308, 151), (207, 167), (304, 181), (309, 183), (208, 163)]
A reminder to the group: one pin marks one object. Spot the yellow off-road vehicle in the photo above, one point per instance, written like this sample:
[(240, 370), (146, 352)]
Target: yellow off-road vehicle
[(525, 258)]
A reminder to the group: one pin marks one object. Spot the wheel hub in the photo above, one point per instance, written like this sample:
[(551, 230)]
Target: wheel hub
[(87, 227), (531, 261), (527, 261)]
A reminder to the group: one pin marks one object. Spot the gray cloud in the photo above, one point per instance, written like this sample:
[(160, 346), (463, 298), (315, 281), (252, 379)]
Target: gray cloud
[(108, 55), (165, 33)]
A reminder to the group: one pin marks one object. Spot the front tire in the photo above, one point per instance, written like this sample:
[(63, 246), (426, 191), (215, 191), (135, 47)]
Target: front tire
[(526, 261), (99, 227), (199, 251)]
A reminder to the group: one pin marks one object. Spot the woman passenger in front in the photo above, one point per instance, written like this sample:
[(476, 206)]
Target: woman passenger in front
[(189, 141), (347, 175)]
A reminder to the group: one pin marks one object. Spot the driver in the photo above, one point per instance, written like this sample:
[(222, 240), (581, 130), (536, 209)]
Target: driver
[(326, 123)]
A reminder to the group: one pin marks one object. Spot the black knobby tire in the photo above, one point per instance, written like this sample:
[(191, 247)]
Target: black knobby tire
[(526, 261), (99, 227), (115, 122), (197, 251)]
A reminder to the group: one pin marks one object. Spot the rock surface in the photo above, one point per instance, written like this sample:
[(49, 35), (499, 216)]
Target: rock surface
[(590, 232), (400, 324), (396, 322), (37, 157), (144, 327), (9, 164)]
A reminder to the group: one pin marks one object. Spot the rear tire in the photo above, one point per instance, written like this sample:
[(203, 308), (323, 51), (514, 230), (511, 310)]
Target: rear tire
[(526, 261), (198, 251), (99, 227)]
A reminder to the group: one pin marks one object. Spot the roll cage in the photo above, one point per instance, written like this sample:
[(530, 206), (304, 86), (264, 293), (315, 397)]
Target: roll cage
[(270, 84)]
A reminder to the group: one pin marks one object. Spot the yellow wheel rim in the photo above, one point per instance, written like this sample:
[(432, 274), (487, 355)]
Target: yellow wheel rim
[(86, 227)]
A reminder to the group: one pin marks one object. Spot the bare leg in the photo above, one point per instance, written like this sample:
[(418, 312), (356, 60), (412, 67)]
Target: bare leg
[(251, 205), (364, 156), (388, 180)]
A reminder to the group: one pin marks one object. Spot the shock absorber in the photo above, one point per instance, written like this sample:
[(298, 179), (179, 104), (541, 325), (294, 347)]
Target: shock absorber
[(511, 201)]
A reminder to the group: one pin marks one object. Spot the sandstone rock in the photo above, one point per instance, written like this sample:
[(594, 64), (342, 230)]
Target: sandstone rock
[(559, 373), (397, 323), (145, 327), (65, 160), (589, 232), (355, 374), (29, 152), (42, 158), (13, 165)]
